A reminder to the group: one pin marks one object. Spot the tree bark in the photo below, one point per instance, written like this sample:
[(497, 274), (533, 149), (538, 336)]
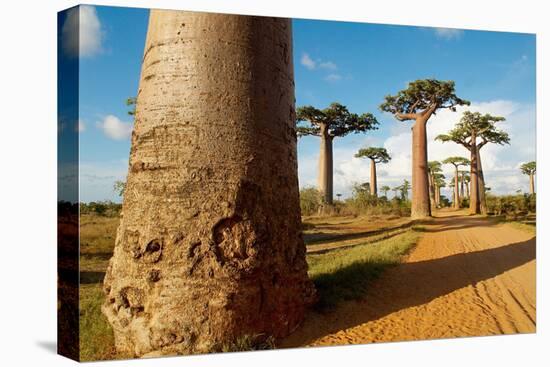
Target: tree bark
[(481, 182), (462, 186), (420, 205), (456, 201), (467, 186), (437, 196), (531, 183), (432, 190), (474, 182), (373, 183), (324, 179), (209, 246)]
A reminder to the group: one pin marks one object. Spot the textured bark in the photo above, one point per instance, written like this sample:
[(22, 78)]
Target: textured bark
[(461, 186), (373, 183), (467, 186), (324, 180), (481, 183), (456, 199), (474, 181), (431, 186), (209, 246), (437, 196), (420, 205), (531, 184)]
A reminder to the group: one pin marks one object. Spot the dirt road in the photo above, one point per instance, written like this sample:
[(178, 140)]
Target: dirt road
[(467, 276)]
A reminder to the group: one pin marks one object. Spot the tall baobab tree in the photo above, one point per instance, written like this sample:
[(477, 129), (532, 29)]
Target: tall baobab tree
[(457, 162), (385, 189), (209, 249), (434, 167), (439, 182), (329, 123), (376, 155), (530, 169), (420, 101), (464, 179), (404, 189), (473, 132)]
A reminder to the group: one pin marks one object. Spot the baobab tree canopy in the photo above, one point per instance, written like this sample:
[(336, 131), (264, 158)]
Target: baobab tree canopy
[(421, 97), (337, 120), (457, 161), (483, 126), (529, 168), (379, 155)]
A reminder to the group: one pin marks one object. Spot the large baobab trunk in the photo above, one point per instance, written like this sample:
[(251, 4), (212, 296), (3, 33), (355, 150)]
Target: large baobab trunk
[(324, 180), (481, 183), (209, 246), (420, 205), (456, 201), (531, 183), (474, 179), (373, 184)]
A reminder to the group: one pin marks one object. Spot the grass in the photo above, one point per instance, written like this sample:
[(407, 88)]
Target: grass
[(345, 274), (339, 275), (526, 227)]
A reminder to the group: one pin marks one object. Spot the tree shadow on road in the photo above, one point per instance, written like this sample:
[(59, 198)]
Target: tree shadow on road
[(417, 283)]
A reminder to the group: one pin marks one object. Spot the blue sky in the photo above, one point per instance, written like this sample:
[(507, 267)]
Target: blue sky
[(355, 64)]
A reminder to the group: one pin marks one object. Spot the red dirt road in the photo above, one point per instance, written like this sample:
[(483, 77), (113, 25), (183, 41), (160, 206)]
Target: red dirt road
[(467, 276)]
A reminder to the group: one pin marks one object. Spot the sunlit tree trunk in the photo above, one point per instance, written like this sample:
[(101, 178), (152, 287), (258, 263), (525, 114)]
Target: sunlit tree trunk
[(474, 178), (481, 183), (209, 247), (373, 183), (531, 183), (456, 201), (462, 186), (420, 205), (325, 178), (431, 186)]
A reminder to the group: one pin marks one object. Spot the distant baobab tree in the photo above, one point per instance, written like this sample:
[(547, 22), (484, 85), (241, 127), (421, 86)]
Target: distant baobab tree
[(329, 123), (464, 180), (456, 162), (434, 167), (530, 169), (385, 190), (338, 196), (473, 132), (439, 182), (376, 155), (421, 100)]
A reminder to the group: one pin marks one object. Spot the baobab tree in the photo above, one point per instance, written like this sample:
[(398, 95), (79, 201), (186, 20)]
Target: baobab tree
[(329, 123), (464, 181), (457, 162), (474, 131), (385, 189), (434, 167), (404, 189), (439, 182), (209, 249), (420, 101), (530, 169), (376, 155)]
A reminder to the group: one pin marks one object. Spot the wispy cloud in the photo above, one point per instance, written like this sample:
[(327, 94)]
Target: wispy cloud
[(308, 62), (329, 65), (82, 33), (114, 128), (448, 33), (333, 77)]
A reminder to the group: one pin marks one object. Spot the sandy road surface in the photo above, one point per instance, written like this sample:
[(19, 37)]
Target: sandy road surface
[(467, 276)]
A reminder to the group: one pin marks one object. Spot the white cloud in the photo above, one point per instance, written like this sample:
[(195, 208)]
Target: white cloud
[(448, 33), (81, 126), (333, 77), (82, 32), (114, 128), (329, 65), (308, 61), (500, 163), (97, 179)]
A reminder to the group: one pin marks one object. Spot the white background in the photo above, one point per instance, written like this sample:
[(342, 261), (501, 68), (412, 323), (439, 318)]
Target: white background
[(28, 181)]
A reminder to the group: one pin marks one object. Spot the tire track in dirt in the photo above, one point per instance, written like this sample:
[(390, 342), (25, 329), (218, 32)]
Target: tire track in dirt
[(467, 276)]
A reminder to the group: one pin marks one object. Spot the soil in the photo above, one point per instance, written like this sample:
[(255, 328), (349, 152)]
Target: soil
[(467, 276)]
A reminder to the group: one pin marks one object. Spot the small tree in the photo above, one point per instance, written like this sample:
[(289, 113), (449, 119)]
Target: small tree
[(464, 179), (385, 189), (456, 162), (404, 189), (131, 102), (376, 155), (119, 187), (473, 132), (530, 169), (419, 102), (329, 123), (439, 182), (434, 167)]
